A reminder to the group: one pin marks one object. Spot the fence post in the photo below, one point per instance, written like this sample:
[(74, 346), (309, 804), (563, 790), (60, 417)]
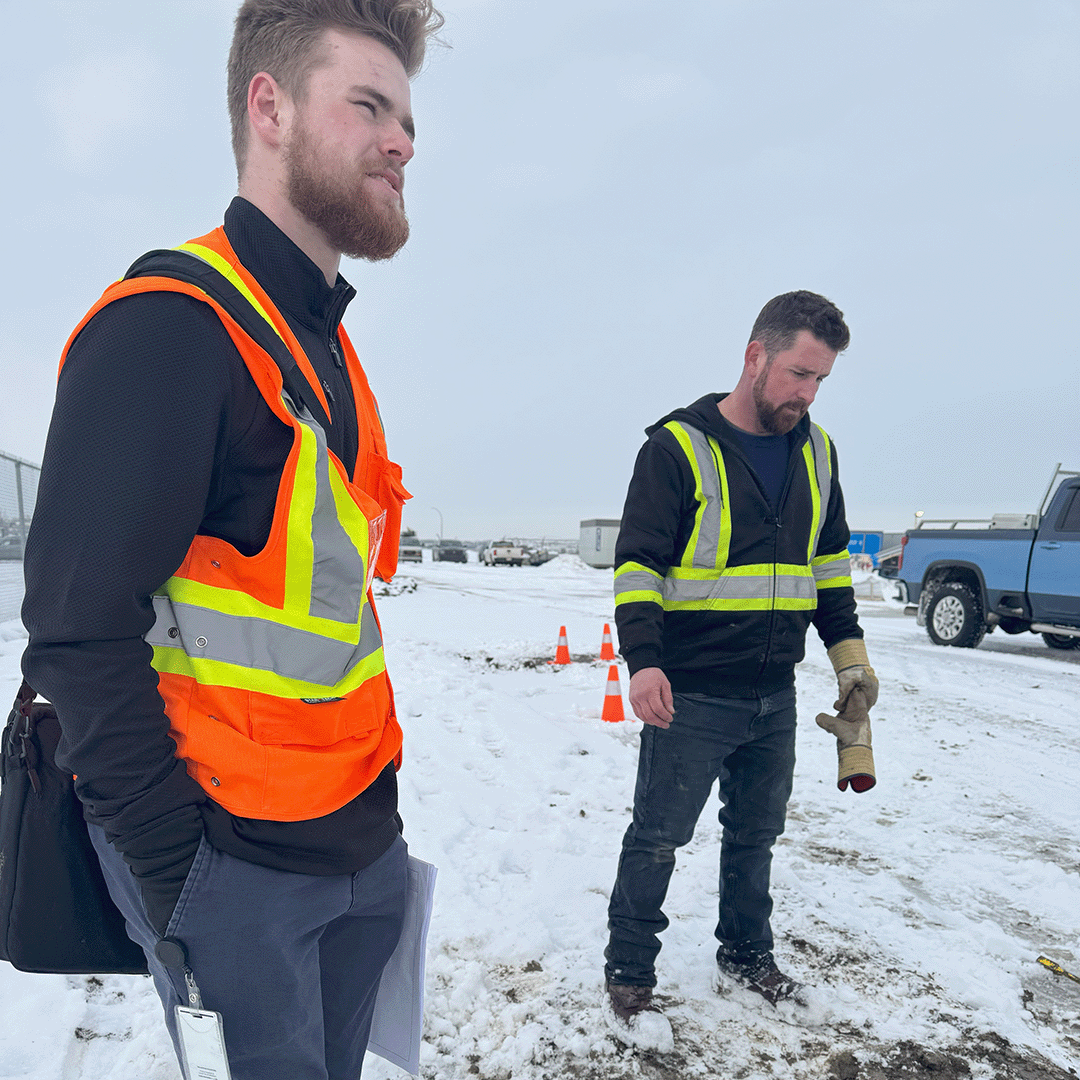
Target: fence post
[(22, 513)]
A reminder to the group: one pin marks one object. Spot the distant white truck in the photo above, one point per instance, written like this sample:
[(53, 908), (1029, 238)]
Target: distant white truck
[(503, 553)]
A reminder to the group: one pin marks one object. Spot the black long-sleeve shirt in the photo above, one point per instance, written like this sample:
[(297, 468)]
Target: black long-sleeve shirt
[(158, 433)]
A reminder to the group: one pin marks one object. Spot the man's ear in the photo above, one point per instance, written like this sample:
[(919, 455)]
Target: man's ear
[(755, 358), (267, 110)]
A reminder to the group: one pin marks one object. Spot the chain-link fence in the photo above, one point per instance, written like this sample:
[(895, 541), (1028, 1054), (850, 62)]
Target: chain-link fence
[(18, 495)]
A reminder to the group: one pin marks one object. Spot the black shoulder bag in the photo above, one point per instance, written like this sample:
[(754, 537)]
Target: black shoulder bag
[(56, 914)]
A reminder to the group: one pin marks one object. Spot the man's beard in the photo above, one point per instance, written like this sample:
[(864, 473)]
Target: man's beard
[(775, 419), (342, 208)]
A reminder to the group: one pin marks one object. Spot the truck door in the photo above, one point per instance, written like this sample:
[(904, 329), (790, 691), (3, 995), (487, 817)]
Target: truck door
[(1054, 573)]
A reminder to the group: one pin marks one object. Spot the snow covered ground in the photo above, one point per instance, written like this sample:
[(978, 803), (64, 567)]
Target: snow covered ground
[(918, 909)]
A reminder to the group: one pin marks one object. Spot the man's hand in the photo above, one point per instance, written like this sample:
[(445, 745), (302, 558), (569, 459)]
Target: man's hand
[(650, 697), (852, 731), (160, 856), (853, 672)]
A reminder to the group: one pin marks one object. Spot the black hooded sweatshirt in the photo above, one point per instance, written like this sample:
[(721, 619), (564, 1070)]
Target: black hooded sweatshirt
[(726, 653)]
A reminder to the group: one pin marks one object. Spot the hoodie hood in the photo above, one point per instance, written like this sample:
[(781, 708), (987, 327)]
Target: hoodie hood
[(705, 416)]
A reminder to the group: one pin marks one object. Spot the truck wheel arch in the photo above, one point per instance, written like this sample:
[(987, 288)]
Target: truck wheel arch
[(965, 573)]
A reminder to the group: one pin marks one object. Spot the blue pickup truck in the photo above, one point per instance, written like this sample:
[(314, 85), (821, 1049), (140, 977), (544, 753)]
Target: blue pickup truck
[(1016, 572)]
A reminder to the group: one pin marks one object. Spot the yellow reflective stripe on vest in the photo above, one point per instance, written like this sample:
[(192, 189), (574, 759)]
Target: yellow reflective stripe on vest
[(832, 571), (218, 673), (325, 572), (818, 458), (635, 583), (710, 541), (228, 272)]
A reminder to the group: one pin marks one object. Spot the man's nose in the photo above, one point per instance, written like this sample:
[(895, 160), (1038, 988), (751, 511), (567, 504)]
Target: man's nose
[(396, 143)]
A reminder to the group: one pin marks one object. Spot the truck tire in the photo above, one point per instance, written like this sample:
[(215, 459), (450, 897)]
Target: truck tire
[(954, 616), (1061, 641)]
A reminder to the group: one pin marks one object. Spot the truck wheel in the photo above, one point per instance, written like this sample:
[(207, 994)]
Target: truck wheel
[(954, 617), (1061, 641)]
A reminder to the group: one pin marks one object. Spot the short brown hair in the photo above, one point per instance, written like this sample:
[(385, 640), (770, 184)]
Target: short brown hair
[(781, 319), (280, 37)]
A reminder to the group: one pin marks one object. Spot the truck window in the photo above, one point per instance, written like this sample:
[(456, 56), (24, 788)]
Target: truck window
[(1070, 518)]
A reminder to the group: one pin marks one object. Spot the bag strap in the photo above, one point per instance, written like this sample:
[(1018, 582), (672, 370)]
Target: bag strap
[(20, 727), (25, 698)]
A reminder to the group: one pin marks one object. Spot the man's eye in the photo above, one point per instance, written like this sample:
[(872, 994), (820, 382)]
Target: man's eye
[(366, 105)]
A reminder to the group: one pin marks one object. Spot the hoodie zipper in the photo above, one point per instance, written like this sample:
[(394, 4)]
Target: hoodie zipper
[(793, 455)]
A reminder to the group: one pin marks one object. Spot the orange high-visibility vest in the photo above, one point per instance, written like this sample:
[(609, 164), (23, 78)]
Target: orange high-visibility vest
[(271, 666)]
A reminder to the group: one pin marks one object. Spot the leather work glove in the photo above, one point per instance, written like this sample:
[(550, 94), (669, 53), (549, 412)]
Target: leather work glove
[(852, 667), (858, 692), (852, 731)]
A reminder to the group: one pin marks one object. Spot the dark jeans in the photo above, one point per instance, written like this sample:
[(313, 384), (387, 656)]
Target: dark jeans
[(749, 745), (291, 961)]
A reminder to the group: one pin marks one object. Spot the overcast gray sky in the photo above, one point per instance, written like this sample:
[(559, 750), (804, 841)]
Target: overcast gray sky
[(603, 196)]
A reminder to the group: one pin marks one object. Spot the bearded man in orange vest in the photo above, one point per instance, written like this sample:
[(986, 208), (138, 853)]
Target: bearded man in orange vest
[(215, 498)]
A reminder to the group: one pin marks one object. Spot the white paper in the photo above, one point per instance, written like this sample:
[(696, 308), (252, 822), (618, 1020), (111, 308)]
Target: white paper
[(398, 1022)]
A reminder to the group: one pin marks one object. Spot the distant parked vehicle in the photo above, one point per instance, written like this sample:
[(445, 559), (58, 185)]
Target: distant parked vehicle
[(503, 553), (1018, 571), (410, 551), (11, 547), (450, 551)]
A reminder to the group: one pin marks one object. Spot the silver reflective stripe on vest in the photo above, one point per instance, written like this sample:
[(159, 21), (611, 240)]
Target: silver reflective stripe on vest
[(835, 567), (337, 577), (637, 581), (822, 466), (260, 644), (708, 540), (740, 587)]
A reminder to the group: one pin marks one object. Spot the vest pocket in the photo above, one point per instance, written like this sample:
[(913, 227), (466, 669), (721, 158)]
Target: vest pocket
[(385, 486), (314, 722)]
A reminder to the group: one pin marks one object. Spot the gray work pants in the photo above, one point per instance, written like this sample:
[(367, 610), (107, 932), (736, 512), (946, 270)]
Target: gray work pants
[(291, 961)]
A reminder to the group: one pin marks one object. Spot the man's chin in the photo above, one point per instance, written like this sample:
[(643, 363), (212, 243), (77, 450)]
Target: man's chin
[(782, 421), (378, 239)]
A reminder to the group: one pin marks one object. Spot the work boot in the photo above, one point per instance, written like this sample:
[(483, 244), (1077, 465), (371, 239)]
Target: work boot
[(635, 1019), (759, 973)]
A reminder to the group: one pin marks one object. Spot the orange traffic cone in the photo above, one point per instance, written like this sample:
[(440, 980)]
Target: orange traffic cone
[(607, 651), (562, 650), (613, 711)]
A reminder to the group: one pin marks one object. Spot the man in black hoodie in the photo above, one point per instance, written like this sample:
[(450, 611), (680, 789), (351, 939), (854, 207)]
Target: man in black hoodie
[(733, 541)]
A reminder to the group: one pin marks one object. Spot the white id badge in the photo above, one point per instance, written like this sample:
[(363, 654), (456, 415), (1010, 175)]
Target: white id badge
[(202, 1044)]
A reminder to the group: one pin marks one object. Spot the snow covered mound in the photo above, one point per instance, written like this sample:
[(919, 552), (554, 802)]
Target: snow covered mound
[(563, 566)]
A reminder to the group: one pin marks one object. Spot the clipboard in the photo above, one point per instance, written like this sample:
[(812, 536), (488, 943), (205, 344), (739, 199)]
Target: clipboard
[(397, 1025)]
